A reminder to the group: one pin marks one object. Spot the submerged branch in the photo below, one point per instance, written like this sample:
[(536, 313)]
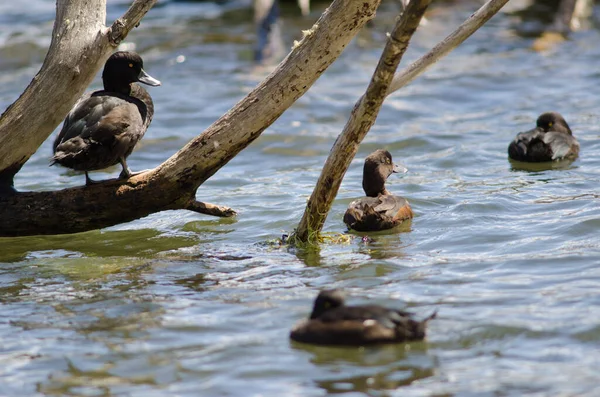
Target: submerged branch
[(210, 209), (362, 118)]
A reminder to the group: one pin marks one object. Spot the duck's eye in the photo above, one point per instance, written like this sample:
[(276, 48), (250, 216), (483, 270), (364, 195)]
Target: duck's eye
[(131, 65), (550, 123), (327, 305)]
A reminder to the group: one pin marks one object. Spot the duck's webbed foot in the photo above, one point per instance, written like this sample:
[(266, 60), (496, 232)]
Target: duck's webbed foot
[(126, 172), (89, 181)]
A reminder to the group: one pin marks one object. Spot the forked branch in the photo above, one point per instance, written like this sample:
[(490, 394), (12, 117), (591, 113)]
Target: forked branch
[(362, 118), (443, 48)]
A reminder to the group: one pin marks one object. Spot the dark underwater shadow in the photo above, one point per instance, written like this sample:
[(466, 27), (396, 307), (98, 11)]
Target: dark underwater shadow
[(404, 227), (368, 369), (537, 167), (383, 244)]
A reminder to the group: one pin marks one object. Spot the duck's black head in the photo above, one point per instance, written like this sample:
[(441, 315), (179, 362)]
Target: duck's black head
[(552, 121), (378, 167), (327, 300), (124, 68)]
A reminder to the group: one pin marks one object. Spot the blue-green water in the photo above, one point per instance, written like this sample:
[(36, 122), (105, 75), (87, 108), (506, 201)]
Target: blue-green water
[(179, 304)]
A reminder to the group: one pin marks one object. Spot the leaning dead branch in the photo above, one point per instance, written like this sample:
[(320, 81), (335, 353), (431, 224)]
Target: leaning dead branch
[(443, 48), (365, 111), (362, 118), (174, 183)]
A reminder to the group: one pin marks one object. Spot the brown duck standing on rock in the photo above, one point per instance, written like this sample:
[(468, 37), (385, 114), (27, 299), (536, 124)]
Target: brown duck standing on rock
[(333, 323), (380, 210), (550, 140), (104, 126)]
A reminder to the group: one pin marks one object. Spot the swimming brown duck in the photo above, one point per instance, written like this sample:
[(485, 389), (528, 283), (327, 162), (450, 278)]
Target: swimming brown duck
[(103, 127), (333, 323), (380, 210), (550, 140)]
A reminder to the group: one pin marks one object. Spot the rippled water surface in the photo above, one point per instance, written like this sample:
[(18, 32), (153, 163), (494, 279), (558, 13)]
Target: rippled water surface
[(179, 304)]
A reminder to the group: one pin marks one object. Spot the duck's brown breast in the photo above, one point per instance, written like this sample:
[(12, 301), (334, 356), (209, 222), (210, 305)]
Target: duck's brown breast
[(377, 213)]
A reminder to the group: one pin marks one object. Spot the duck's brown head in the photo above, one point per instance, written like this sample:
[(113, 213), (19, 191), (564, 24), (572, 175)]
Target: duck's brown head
[(378, 167), (327, 300), (552, 121)]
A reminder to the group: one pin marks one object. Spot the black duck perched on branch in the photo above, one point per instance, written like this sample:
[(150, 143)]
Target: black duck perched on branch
[(380, 210), (103, 127), (333, 323), (550, 140)]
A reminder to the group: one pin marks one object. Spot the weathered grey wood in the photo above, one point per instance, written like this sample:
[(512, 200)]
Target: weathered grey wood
[(362, 118), (79, 47), (173, 184), (443, 48)]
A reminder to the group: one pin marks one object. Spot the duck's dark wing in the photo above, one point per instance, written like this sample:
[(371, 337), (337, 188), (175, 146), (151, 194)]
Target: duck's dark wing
[(377, 213), (98, 131), (100, 108), (343, 333), (75, 121), (538, 146), (530, 146), (387, 317)]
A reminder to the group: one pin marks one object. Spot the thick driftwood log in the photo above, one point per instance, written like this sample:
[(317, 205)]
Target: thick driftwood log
[(362, 118), (79, 47), (346, 145), (173, 184)]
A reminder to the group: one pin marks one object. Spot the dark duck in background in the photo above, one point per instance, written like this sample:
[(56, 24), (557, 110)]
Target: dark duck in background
[(333, 323), (104, 126), (550, 140), (380, 210)]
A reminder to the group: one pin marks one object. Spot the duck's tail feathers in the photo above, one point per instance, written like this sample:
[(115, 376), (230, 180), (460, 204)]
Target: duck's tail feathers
[(431, 316)]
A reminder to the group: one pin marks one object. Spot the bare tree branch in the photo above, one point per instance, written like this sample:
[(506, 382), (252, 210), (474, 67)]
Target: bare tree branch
[(453, 40), (173, 184), (131, 19), (80, 45), (362, 118)]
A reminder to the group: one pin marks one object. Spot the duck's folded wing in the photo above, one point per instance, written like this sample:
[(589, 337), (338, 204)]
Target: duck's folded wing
[(345, 332), (562, 145), (98, 119), (73, 124), (394, 207), (86, 113), (122, 121), (365, 312), (359, 209), (390, 204), (531, 146)]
